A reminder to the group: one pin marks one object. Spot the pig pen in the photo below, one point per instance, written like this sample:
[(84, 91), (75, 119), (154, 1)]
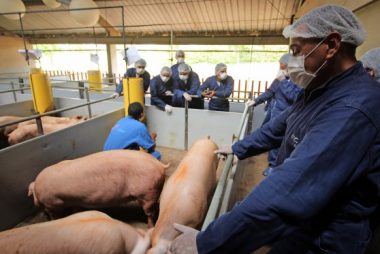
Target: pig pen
[(22, 162)]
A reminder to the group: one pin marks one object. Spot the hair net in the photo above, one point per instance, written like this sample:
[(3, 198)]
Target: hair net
[(180, 52), (220, 66), (322, 21), (166, 69), (184, 68), (285, 59), (140, 62), (371, 59)]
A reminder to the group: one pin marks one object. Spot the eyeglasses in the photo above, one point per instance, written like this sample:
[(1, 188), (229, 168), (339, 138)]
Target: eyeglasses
[(141, 67)]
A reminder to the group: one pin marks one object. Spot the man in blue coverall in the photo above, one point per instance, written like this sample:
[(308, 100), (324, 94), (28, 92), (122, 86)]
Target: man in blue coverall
[(180, 57), (326, 184), (130, 133), (371, 62), (137, 72), (161, 90), (218, 88), (282, 93), (185, 85)]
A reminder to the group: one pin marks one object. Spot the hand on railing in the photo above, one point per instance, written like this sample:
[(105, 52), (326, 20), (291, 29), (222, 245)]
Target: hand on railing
[(250, 103), (187, 96), (114, 95), (168, 93), (224, 151), (168, 108)]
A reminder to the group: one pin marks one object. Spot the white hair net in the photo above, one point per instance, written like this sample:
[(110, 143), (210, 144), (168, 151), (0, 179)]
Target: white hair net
[(184, 68), (140, 62), (166, 69), (285, 59), (371, 59), (322, 21), (180, 52), (220, 66)]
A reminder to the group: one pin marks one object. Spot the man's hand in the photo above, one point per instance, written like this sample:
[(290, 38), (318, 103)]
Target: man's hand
[(185, 243), (114, 95), (224, 150), (168, 108), (211, 94), (250, 103), (168, 93), (187, 96)]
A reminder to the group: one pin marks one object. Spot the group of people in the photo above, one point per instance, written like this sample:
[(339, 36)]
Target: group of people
[(322, 191), (179, 83)]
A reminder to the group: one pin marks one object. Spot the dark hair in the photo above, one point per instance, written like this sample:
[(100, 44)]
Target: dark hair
[(135, 110)]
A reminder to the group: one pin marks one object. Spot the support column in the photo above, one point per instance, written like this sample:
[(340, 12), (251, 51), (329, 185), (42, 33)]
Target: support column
[(111, 61)]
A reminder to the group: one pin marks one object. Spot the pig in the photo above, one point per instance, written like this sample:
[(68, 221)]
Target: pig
[(81, 233), (30, 130), (101, 180), (55, 120), (186, 194), (6, 119)]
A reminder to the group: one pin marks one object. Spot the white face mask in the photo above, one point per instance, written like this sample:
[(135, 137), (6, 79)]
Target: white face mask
[(180, 60), (164, 78), (223, 76), (184, 77), (297, 72), (140, 71)]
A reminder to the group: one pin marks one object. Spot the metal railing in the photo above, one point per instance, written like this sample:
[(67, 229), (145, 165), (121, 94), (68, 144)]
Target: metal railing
[(220, 198), (37, 117)]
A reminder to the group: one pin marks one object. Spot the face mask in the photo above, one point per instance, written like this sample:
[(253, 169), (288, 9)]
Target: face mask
[(223, 76), (180, 59), (183, 77), (164, 78), (140, 71), (297, 72)]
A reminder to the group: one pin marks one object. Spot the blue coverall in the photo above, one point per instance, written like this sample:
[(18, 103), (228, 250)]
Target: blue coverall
[(157, 92), (327, 182), (180, 87), (282, 94), (131, 73), (174, 69), (129, 133), (223, 91)]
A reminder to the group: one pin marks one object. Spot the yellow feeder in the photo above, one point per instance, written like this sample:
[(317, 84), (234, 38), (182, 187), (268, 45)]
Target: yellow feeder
[(94, 80), (41, 91), (133, 92)]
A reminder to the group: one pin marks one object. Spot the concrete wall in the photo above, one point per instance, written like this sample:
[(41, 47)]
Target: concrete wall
[(11, 60), (369, 16)]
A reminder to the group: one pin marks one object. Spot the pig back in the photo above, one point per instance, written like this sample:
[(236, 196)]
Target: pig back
[(102, 178), (187, 192), (86, 232)]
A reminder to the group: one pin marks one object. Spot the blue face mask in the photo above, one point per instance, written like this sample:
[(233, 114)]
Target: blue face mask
[(296, 69)]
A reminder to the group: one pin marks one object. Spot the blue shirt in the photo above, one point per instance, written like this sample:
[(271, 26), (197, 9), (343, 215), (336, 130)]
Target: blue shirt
[(327, 178), (179, 87), (222, 90), (131, 73), (129, 133), (157, 92)]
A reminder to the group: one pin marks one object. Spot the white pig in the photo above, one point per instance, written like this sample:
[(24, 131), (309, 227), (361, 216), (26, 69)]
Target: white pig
[(81, 233), (186, 194), (101, 180)]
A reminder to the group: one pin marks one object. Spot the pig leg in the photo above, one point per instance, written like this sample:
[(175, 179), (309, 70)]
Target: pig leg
[(150, 206)]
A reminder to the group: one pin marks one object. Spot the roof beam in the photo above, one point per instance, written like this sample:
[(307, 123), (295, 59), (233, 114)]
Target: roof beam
[(112, 31), (308, 5)]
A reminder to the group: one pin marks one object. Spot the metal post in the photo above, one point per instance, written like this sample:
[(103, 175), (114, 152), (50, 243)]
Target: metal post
[(13, 91), (80, 85), (124, 39), (186, 125), (40, 128), (88, 100), (21, 84), (23, 38)]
